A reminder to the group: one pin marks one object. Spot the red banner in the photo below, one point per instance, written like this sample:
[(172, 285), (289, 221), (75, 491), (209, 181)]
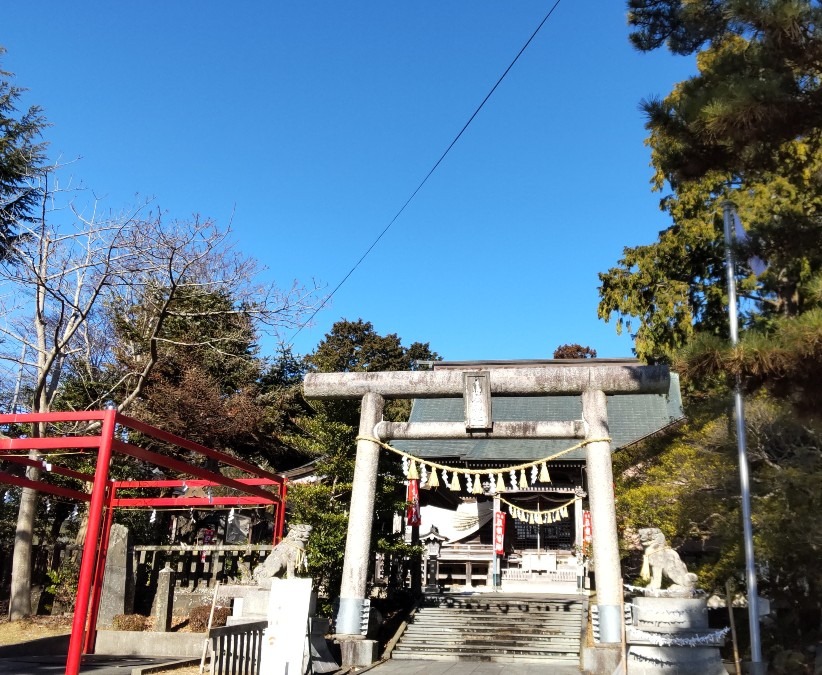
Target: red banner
[(499, 533), (412, 514), (587, 531)]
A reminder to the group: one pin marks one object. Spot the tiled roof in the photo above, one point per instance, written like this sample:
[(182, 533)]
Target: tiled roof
[(631, 417)]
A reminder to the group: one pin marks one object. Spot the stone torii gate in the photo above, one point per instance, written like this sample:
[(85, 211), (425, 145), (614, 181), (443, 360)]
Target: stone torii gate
[(592, 382)]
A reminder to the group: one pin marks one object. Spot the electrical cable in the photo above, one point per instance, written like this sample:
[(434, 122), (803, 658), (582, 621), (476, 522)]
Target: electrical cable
[(424, 180)]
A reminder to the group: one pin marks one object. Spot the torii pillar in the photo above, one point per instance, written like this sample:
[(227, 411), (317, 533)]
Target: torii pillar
[(592, 382)]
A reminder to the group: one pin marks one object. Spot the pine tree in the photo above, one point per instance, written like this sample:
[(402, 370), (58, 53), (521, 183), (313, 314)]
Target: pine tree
[(21, 161)]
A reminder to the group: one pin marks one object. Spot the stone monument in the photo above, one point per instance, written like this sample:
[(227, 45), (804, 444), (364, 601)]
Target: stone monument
[(117, 596)]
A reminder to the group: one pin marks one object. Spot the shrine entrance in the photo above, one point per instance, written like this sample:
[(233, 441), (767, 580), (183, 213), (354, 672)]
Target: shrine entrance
[(113, 433), (484, 389)]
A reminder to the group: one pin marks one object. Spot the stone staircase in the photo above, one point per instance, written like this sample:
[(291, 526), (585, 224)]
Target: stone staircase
[(496, 627)]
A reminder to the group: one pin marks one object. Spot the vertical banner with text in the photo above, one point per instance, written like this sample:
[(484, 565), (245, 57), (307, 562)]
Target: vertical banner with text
[(499, 533), (587, 531), (412, 514)]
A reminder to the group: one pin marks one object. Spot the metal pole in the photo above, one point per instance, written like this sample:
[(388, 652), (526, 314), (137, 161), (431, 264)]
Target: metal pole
[(88, 563), (744, 477)]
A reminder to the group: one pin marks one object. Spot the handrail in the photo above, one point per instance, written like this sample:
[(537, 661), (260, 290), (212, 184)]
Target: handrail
[(238, 629), (237, 648)]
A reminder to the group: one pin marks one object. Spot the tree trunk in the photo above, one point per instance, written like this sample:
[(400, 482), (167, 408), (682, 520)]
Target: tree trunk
[(20, 601)]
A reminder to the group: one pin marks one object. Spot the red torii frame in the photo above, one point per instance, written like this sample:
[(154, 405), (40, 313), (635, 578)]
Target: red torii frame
[(103, 498)]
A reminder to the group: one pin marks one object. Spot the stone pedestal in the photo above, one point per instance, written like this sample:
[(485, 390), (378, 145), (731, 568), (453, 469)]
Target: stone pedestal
[(285, 640), (670, 636), (287, 629), (358, 652), (248, 603)]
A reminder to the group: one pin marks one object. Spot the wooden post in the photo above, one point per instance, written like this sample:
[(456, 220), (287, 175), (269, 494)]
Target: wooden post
[(208, 628)]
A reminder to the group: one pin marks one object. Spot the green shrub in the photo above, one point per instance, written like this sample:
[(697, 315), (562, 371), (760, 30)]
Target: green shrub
[(198, 617), (63, 583), (130, 622)]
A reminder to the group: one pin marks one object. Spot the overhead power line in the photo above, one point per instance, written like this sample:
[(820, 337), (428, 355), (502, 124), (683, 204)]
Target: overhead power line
[(427, 176)]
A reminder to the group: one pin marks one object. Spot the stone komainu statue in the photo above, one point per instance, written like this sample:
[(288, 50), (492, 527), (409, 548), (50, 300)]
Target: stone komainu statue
[(662, 561), (287, 557)]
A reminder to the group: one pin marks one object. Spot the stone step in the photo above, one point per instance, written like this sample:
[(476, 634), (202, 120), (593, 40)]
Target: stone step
[(434, 611), (520, 616), (513, 611), (546, 661), (494, 622), (530, 644), (514, 628), (507, 609), (489, 650), (496, 598), (494, 601), (572, 629), (491, 637), (479, 627)]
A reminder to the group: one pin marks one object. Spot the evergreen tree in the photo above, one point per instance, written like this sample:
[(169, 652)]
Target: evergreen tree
[(21, 161), (746, 128), (758, 85), (329, 434)]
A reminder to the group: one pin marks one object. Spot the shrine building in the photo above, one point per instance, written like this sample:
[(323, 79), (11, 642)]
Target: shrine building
[(545, 505)]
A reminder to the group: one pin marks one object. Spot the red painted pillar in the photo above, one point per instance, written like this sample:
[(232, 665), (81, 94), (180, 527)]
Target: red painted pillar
[(89, 561), (280, 520), (99, 572)]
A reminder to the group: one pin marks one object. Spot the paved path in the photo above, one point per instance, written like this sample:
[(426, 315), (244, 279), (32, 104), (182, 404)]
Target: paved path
[(56, 665), (403, 667)]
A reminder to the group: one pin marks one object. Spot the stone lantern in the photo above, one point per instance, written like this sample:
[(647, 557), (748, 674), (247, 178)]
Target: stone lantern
[(432, 542)]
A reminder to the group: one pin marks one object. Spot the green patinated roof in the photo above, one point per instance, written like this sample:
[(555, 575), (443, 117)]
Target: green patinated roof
[(630, 417)]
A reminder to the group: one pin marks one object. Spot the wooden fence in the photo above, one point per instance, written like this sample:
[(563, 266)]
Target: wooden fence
[(236, 650), (199, 565)]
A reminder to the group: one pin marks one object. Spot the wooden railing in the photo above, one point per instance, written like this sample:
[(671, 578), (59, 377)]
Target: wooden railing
[(237, 650), (514, 574), (478, 552)]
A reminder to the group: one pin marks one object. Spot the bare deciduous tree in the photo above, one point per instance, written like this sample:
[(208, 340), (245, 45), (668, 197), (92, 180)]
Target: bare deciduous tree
[(75, 272)]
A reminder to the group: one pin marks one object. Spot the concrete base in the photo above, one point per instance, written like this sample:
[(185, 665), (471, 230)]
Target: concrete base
[(670, 615), (359, 652), (601, 659), (146, 643), (657, 619)]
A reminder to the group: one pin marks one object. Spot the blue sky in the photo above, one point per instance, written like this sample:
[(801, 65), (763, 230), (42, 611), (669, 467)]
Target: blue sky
[(308, 125)]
